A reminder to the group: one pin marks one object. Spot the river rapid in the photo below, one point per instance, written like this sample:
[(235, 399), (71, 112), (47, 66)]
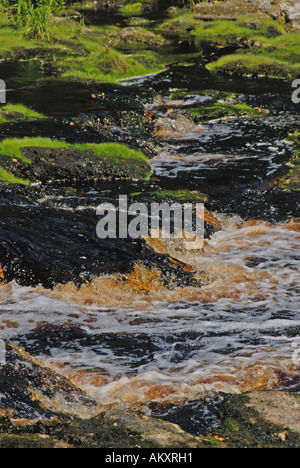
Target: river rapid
[(138, 342)]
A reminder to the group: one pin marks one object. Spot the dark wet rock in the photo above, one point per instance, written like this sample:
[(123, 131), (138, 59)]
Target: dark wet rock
[(30, 390), (42, 409), (44, 246), (197, 417)]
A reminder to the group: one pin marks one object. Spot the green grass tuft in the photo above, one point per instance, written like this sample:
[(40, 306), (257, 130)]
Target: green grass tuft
[(13, 112)]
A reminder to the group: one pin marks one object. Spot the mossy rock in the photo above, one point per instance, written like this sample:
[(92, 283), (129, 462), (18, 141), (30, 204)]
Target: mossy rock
[(44, 160), (182, 196), (291, 181), (30, 441), (221, 110), (255, 65), (17, 113), (262, 47), (262, 419)]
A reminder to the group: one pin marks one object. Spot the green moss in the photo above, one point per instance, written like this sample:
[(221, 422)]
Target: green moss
[(132, 9), (15, 112), (26, 441), (178, 25), (110, 65), (224, 32), (221, 110), (270, 49), (257, 65), (264, 47), (295, 138), (82, 53), (121, 159), (173, 195), (243, 426), (8, 178), (13, 42)]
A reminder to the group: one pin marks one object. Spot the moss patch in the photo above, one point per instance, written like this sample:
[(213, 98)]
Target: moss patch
[(224, 110), (255, 65), (173, 195), (132, 9), (246, 425), (43, 160), (17, 112), (83, 53)]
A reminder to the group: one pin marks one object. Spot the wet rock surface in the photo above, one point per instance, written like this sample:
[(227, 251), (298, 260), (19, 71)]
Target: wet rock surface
[(67, 248), (36, 404), (260, 419), (29, 390)]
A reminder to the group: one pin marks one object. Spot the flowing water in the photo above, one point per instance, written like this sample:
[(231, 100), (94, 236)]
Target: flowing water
[(138, 342)]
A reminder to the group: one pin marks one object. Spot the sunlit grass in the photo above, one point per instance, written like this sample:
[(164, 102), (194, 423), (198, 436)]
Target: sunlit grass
[(12, 112), (132, 9)]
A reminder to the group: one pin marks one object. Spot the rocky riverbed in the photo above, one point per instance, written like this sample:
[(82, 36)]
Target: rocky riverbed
[(130, 343)]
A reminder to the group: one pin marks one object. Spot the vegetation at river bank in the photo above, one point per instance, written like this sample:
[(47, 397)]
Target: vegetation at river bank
[(98, 53), (249, 43), (246, 41)]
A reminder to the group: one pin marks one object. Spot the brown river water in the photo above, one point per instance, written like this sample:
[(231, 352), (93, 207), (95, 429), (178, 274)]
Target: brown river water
[(128, 339)]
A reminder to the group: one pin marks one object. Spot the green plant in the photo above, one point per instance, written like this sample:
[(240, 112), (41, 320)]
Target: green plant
[(4, 5), (33, 16)]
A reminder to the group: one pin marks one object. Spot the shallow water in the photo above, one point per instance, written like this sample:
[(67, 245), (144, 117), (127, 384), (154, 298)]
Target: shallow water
[(234, 334), (137, 342)]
